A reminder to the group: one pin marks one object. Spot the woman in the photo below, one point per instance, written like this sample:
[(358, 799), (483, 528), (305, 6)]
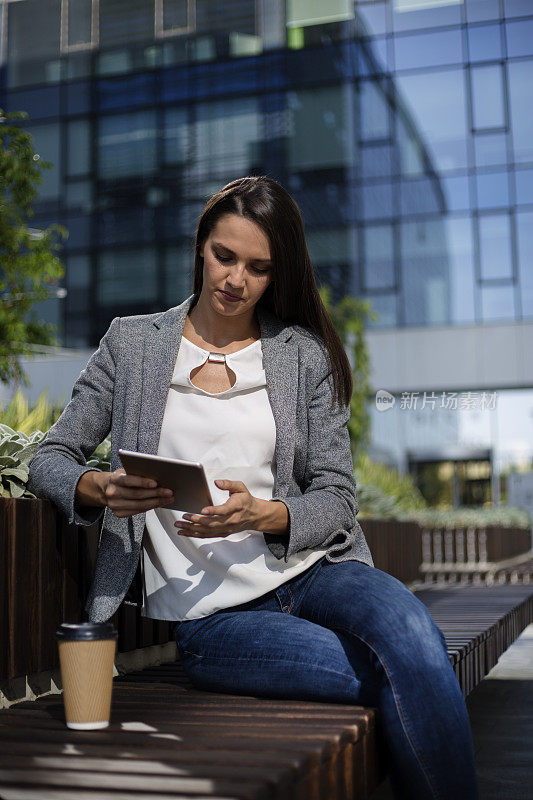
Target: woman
[(272, 588)]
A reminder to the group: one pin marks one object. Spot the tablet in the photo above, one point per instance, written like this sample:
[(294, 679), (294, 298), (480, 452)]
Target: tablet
[(186, 478)]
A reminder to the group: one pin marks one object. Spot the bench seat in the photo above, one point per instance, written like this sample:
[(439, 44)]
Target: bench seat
[(169, 740)]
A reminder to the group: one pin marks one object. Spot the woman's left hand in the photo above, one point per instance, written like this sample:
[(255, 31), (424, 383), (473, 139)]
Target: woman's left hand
[(240, 512)]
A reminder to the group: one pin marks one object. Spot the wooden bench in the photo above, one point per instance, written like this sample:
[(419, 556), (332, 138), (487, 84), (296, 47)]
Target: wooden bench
[(168, 740)]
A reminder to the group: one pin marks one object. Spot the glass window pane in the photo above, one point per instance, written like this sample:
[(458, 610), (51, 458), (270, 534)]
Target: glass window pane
[(79, 21), (490, 149), (425, 272), (524, 223), (498, 303), (378, 261), (79, 147), (376, 160), (524, 186), (436, 103), (495, 252), (456, 192), (46, 144), (174, 14), (428, 49), (459, 245), (377, 200), (127, 144), (239, 16), (33, 30), (179, 267), (520, 73), (126, 21), (520, 37), (374, 111), (127, 276), (79, 195), (517, 8), (176, 136), (386, 307), (478, 10), (409, 15), (492, 189), (488, 104), (78, 272), (227, 141), (371, 18), (484, 42), (332, 246), (325, 112)]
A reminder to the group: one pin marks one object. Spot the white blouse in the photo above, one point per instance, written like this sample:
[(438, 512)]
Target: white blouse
[(233, 434)]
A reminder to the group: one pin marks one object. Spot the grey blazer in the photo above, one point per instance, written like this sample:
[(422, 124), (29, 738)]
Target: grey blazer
[(124, 389)]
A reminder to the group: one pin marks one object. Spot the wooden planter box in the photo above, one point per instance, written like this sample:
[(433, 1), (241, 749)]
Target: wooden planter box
[(46, 569)]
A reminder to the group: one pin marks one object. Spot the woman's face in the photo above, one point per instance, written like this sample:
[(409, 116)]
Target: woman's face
[(236, 265)]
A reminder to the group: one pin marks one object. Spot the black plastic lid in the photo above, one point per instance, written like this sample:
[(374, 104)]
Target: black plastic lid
[(86, 631)]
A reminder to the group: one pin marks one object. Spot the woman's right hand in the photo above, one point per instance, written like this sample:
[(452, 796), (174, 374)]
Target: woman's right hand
[(124, 494)]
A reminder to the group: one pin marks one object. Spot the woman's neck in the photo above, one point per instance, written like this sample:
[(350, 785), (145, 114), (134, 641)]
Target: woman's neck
[(208, 328)]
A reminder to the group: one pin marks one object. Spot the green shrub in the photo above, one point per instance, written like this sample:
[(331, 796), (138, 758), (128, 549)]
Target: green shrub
[(16, 451), (382, 491), (20, 417)]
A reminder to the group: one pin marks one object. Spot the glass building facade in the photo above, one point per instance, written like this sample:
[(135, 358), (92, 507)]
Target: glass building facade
[(403, 129)]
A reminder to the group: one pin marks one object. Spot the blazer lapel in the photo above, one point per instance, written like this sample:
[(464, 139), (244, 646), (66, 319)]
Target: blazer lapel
[(280, 360), (161, 345)]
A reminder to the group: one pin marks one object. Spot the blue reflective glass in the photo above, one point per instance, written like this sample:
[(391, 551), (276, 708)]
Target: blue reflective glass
[(376, 160), (78, 272), (127, 144), (422, 196), (490, 149), (520, 82), (77, 97), (517, 8), (135, 90), (377, 200), (425, 270), (176, 135), (46, 146), (41, 103), (428, 49), (380, 50), (436, 104), (378, 264), (492, 189), (460, 252), (79, 231), (498, 303), (79, 147), (478, 10), (524, 224), (125, 225), (406, 17), (385, 305), (371, 18), (127, 276), (456, 192), (520, 38), (488, 103), (484, 42), (374, 111), (524, 186), (178, 263), (496, 258)]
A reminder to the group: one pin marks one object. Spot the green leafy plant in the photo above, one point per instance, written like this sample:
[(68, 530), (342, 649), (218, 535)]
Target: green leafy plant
[(349, 317), (382, 491), (16, 451), (469, 516), (28, 255), (19, 416)]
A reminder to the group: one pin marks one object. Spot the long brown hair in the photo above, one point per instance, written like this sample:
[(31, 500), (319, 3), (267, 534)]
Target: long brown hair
[(292, 295)]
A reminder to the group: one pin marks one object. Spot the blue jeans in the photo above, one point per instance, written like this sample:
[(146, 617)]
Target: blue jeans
[(349, 633)]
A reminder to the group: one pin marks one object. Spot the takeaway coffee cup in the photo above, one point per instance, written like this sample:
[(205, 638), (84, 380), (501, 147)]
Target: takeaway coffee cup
[(86, 657)]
